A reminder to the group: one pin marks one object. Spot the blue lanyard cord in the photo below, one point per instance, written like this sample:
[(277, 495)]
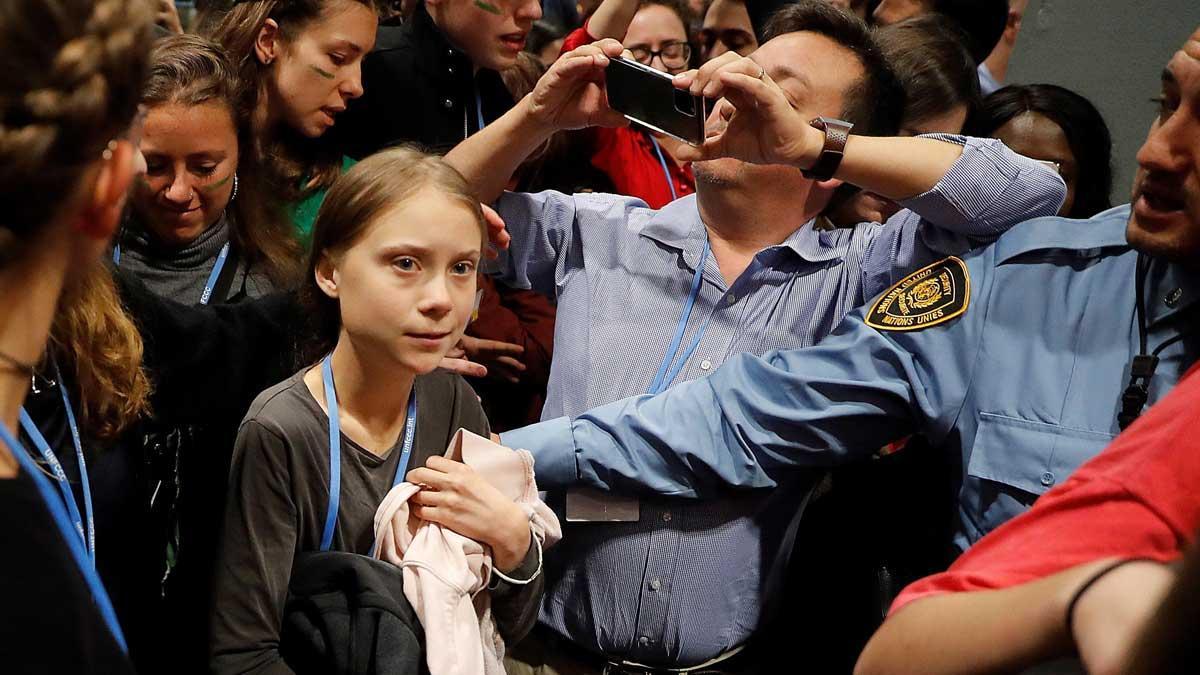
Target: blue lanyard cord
[(87, 534), (663, 162), (83, 472), (478, 107), (665, 373), (335, 449), (59, 514), (213, 276)]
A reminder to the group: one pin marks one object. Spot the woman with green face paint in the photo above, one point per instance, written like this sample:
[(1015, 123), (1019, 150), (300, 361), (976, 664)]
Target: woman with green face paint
[(201, 229), (300, 65)]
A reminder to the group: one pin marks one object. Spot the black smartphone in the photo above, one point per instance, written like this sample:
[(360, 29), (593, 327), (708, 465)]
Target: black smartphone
[(646, 96)]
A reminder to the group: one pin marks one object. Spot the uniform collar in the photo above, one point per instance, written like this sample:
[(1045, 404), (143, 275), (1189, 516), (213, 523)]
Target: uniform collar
[(679, 226), (1170, 291)]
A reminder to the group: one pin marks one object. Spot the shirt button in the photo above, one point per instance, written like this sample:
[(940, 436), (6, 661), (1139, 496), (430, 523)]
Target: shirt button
[(666, 517), (1047, 479), (450, 69), (731, 299), (705, 364), (655, 584), (448, 104), (644, 641), (1173, 297)]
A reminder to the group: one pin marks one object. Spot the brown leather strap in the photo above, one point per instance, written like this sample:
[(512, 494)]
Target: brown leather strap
[(837, 132)]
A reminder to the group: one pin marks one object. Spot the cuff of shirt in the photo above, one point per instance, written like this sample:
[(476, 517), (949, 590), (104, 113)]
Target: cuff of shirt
[(977, 181), (553, 448)]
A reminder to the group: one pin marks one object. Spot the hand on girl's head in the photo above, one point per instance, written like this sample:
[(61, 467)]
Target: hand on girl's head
[(497, 232)]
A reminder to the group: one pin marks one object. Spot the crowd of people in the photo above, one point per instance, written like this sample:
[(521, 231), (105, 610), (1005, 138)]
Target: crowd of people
[(362, 337)]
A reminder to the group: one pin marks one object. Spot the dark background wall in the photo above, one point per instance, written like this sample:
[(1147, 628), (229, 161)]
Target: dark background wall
[(1111, 51)]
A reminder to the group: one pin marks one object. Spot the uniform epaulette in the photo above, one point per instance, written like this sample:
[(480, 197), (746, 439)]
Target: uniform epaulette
[(1105, 230)]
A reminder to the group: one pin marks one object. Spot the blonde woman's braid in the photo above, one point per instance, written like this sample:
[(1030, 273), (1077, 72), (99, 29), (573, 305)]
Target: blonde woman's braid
[(70, 82)]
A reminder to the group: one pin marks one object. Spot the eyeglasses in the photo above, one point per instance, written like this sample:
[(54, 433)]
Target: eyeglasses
[(674, 55), (735, 39)]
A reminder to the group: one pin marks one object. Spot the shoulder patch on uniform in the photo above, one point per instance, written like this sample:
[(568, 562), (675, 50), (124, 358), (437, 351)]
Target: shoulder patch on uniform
[(925, 298)]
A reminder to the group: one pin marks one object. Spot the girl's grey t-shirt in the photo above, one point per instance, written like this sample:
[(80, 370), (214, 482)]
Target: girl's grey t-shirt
[(279, 494)]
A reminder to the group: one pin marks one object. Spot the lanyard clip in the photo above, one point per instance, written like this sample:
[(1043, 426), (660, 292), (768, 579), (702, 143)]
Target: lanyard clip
[(1143, 368), (1134, 398)]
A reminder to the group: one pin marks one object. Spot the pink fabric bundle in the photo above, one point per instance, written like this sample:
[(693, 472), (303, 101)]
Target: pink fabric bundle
[(446, 575)]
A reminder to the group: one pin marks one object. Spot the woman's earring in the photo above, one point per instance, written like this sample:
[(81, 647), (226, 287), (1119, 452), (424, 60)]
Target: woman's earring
[(233, 195)]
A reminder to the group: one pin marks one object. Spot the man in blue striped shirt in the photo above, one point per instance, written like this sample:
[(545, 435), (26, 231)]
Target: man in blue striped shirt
[(650, 298)]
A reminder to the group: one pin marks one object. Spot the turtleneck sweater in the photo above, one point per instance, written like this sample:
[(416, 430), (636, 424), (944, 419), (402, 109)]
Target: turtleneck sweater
[(179, 272)]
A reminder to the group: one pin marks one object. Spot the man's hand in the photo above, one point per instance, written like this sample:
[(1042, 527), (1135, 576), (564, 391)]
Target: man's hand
[(457, 497), (754, 121), (571, 94), (456, 361), (502, 359), (497, 233), (1110, 615)]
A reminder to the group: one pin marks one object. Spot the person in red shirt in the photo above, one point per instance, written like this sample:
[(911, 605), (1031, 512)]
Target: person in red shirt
[(1080, 570), (641, 163)]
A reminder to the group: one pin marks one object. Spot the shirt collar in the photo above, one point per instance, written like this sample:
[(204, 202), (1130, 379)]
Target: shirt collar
[(1170, 290), (678, 225)]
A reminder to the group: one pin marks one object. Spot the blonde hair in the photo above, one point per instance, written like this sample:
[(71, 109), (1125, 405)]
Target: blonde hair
[(98, 341), (72, 78), (368, 190), (71, 81)]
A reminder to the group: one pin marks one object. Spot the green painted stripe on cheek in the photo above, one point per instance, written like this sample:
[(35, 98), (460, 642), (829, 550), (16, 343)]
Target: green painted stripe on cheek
[(488, 7), (218, 184), (323, 73)]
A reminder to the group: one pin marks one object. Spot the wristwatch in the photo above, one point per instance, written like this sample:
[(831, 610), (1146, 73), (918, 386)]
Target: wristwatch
[(836, 133)]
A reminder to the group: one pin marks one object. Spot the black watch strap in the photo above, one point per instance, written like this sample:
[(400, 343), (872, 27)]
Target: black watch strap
[(837, 132)]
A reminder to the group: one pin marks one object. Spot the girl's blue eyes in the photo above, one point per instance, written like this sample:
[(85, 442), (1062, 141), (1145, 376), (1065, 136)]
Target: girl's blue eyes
[(409, 264)]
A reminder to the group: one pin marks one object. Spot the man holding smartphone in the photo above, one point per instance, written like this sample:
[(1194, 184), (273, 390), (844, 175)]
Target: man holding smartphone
[(650, 298)]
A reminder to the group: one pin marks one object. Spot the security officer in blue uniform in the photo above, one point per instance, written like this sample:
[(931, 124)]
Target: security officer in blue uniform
[(1023, 359)]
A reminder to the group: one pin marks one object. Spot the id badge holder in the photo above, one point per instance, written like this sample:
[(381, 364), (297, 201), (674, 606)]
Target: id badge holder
[(586, 505)]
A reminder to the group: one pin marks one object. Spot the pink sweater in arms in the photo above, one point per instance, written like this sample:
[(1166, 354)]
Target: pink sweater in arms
[(447, 575)]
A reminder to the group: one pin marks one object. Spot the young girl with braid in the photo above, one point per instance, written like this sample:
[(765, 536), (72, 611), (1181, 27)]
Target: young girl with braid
[(68, 96)]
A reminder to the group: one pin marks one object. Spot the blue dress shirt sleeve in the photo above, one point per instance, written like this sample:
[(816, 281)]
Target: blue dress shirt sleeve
[(987, 191), (846, 397), (545, 241)]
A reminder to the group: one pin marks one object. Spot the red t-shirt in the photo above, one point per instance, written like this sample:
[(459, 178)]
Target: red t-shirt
[(628, 156), (1138, 498)]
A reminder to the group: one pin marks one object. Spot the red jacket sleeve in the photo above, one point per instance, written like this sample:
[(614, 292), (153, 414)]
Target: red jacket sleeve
[(577, 38)]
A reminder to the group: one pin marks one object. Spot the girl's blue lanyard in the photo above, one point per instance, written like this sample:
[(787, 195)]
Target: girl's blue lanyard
[(335, 450), (663, 162), (213, 276), (666, 374), (478, 107), (87, 534), (59, 514)]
